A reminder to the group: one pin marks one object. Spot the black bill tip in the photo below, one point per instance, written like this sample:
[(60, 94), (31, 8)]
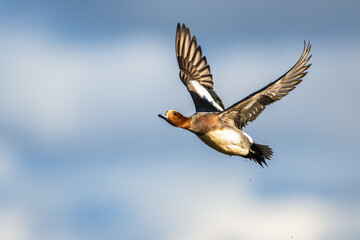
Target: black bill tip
[(162, 116)]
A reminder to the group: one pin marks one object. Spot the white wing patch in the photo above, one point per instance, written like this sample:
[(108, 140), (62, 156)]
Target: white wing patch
[(204, 94), (250, 139)]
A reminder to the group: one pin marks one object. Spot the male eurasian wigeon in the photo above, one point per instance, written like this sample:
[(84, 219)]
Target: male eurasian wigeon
[(216, 126)]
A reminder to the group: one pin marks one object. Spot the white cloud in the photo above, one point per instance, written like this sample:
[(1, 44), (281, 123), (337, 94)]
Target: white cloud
[(169, 200), (55, 91), (177, 204), (14, 225), (42, 86)]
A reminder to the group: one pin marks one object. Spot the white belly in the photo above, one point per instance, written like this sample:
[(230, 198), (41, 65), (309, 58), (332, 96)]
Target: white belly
[(227, 141)]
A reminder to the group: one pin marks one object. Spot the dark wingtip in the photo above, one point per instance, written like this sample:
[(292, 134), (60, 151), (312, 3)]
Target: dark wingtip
[(178, 28), (183, 27)]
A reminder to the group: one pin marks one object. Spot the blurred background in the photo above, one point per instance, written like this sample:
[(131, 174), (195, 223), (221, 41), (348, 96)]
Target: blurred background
[(83, 154)]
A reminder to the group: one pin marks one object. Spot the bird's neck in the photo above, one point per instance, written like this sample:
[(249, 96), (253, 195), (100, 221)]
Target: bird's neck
[(181, 121)]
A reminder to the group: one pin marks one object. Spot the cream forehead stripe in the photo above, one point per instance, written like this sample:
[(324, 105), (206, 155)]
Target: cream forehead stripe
[(201, 91)]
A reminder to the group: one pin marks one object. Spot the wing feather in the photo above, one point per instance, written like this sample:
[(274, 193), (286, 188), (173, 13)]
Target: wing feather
[(194, 67), (248, 109)]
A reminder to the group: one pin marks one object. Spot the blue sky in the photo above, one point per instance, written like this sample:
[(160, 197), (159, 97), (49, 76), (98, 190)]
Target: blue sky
[(83, 154)]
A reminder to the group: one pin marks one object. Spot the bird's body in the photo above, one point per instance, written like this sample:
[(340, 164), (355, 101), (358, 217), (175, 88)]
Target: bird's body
[(218, 134), (220, 128), (227, 140)]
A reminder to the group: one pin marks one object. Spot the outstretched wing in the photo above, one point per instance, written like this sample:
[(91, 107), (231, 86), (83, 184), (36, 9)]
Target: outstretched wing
[(248, 109), (195, 72)]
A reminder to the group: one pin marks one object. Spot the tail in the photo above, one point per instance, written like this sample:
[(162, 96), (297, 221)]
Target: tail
[(258, 153)]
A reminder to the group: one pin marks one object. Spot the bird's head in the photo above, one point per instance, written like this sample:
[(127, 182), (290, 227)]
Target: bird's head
[(176, 119)]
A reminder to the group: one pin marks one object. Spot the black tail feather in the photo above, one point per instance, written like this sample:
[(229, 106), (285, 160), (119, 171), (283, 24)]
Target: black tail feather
[(258, 153)]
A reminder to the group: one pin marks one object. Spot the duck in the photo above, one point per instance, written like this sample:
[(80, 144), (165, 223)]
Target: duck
[(218, 127)]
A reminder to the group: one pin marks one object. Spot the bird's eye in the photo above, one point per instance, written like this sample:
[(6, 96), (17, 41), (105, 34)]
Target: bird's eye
[(175, 114)]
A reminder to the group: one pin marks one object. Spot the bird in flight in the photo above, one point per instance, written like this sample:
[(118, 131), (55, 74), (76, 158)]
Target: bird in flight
[(217, 126)]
